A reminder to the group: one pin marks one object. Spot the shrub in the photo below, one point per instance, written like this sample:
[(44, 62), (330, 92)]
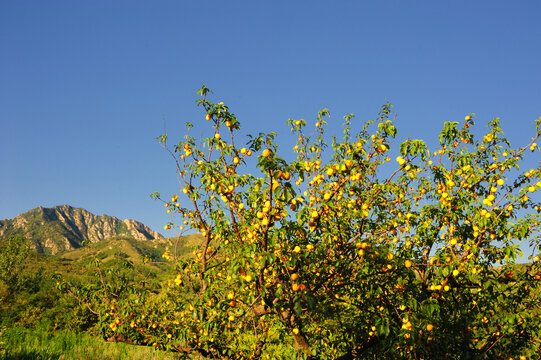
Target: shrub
[(344, 253)]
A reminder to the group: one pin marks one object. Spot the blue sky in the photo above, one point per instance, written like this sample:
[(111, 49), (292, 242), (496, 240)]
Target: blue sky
[(86, 86)]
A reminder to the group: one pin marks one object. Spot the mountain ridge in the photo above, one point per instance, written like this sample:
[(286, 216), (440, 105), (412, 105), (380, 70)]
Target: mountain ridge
[(63, 228)]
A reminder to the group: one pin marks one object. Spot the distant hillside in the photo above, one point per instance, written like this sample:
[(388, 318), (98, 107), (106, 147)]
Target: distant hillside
[(136, 251), (62, 228)]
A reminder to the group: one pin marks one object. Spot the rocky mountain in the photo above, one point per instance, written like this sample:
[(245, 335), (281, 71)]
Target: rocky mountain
[(63, 228)]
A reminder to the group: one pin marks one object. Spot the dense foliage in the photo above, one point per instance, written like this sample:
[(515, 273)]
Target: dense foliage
[(29, 282), (343, 251)]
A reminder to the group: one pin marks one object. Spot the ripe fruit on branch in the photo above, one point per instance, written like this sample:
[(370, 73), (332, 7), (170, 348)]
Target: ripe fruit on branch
[(361, 237)]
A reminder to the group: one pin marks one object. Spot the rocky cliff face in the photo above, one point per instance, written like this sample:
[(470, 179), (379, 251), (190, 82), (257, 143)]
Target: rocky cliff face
[(62, 228)]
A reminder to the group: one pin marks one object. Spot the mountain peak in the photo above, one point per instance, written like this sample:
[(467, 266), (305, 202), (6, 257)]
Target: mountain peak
[(63, 227)]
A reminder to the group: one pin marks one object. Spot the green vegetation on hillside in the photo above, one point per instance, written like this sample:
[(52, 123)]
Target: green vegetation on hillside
[(30, 296)]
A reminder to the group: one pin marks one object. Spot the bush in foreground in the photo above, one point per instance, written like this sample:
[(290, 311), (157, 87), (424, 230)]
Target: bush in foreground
[(344, 253)]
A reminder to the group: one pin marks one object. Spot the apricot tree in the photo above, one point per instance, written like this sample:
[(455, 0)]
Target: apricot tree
[(344, 253)]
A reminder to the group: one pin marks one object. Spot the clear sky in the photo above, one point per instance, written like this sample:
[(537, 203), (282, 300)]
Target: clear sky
[(87, 86)]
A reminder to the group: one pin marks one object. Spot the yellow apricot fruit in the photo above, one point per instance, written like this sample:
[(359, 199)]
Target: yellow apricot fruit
[(266, 153)]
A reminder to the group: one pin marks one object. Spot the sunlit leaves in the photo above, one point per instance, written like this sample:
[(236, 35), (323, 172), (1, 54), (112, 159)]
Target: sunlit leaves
[(347, 252)]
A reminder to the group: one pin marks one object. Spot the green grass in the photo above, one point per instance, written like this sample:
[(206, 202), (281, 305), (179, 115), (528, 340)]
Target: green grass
[(23, 344)]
